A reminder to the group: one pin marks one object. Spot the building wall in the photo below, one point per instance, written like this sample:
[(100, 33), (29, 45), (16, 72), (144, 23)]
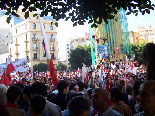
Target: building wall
[(23, 42)]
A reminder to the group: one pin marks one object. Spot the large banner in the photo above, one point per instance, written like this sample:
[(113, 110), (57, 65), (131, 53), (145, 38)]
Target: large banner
[(103, 50), (19, 65)]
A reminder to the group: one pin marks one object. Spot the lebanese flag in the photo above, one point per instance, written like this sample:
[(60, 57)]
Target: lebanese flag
[(6, 78), (69, 73), (17, 79), (107, 82), (53, 74)]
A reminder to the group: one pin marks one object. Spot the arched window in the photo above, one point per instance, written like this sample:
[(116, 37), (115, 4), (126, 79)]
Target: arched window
[(34, 26), (51, 27), (35, 55)]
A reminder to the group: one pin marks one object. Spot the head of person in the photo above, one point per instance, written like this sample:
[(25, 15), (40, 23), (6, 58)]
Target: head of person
[(26, 93), (81, 86), (136, 87), (99, 98), (115, 95), (129, 89), (13, 93), (79, 106), (62, 86), (38, 88), (70, 95), (146, 97), (37, 104), (122, 82), (74, 87), (120, 87)]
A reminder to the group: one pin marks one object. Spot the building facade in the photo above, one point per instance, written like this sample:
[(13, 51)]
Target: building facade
[(147, 33), (71, 44), (135, 38), (28, 42)]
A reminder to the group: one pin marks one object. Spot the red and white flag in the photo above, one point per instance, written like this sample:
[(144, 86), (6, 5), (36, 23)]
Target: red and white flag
[(6, 78), (48, 55)]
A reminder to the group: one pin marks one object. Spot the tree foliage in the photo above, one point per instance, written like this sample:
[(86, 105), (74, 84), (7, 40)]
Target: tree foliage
[(60, 66), (41, 67), (137, 49), (80, 55), (79, 10)]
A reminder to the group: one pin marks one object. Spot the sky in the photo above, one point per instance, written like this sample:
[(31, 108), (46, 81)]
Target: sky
[(66, 30)]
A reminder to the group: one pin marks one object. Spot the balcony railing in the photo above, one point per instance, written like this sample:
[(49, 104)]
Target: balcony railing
[(35, 58), (35, 48), (34, 39)]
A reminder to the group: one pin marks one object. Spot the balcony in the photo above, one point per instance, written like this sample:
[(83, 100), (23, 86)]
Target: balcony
[(35, 48), (26, 41), (34, 39), (16, 44), (52, 39), (35, 58)]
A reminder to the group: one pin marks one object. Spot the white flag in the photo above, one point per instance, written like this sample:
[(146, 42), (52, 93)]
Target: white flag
[(45, 43)]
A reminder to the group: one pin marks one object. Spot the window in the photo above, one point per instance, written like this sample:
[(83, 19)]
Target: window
[(51, 27), (52, 55), (34, 36), (67, 51), (34, 26), (44, 26), (34, 46), (67, 47), (35, 55), (51, 37)]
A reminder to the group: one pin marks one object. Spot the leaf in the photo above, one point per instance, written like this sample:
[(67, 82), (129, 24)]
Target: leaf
[(128, 13), (67, 18), (26, 14), (34, 15), (56, 24), (8, 19), (51, 22), (75, 24)]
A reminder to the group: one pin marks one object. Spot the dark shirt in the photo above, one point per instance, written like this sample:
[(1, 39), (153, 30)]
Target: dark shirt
[(60, 100)]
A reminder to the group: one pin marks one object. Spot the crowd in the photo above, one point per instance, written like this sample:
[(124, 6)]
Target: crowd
[(117, 94)]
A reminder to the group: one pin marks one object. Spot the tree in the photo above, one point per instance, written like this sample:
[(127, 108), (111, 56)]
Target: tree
[(77, 10), (41, 67), (60, 66), (137, 49), (80, 55)]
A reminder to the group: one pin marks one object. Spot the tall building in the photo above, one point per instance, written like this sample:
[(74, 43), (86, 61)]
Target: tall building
[(135, 38), (147, 33), (72, 44), (28, 42)]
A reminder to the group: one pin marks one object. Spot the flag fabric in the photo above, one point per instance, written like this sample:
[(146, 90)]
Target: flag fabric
[(84, 73), (6, 78), (103, 50), (45, 43), (86, 36), (69, 74), (53, 74)]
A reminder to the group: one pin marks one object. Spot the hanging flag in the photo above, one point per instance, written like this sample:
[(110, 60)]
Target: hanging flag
[(84, 73), (10, 67), (69, 74), (53, 74), (45, 43), (103, 50), (86, 36)]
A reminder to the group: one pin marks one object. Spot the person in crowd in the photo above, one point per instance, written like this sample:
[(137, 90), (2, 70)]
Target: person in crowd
[(81, 88), (124, 95), (37, 105), (79, 106), (26, 96), (50, 95), (60, 98), (118, 105), (69, 96), (4, 111), (3, 91), (13, 95), (50, 108), (133, 100), (100, 102), (146, 98), (129, 91), (74, 87)]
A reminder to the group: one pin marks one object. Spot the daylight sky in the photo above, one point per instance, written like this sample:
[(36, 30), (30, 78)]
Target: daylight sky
[(66, 30)]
